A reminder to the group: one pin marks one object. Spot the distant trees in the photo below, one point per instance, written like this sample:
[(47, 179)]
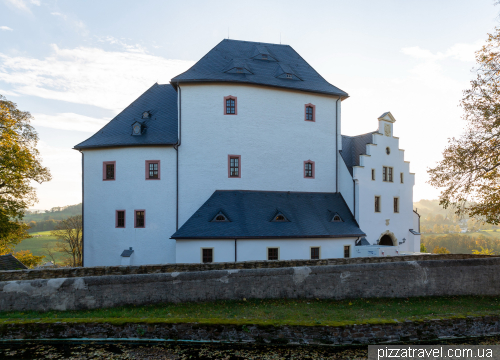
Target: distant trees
[(69, 234), (470, 168), (46, 225), (483, 251), (461, 243), (440, 250)]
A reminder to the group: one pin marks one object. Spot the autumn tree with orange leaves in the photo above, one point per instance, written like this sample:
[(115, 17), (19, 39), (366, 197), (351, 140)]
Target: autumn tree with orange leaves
[(469, 173), (20, 166)]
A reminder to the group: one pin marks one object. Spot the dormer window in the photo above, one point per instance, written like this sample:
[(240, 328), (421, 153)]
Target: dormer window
[(220, 217), (279, 217), (264, 57), (336, 218), (137, 128), (289, 76), (239, 70), (146, 115)]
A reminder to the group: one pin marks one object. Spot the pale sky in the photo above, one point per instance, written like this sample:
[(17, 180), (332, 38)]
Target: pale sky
[(75, 64)]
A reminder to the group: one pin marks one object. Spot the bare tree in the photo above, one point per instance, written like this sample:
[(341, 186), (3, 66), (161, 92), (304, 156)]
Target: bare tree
[(69, 234), (50, 252)]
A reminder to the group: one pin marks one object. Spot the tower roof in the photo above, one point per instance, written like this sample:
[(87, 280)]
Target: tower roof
[(249, 62)]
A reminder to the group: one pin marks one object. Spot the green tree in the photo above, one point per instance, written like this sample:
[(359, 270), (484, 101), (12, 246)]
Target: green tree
[(423, 249), (20, 165), (469, 173)]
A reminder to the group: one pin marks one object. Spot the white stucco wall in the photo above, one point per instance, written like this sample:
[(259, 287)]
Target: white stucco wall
[(103, 243), (346, 184), (189, 251), (372, 223), (270, 134)]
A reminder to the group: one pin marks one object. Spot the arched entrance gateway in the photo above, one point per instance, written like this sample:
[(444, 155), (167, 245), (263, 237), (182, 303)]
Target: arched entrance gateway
[(386, 240)]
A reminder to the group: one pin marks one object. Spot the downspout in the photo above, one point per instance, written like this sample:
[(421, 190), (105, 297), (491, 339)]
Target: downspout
[(83, 208), (176, 147), (354, 197), (337, 145), (235, 250)]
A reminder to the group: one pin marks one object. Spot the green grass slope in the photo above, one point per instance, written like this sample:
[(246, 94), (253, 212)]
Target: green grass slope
[(307, 312), (35, 244)]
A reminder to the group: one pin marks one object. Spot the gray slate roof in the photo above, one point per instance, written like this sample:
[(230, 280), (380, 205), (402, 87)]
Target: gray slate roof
[(220, 63), (161, 127), (250, 214), (9, 262), (353, 147)]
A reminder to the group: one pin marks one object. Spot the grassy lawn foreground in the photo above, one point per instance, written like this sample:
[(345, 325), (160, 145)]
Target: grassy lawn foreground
[(278, 312)]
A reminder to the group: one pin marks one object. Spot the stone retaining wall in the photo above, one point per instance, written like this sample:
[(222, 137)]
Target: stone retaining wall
[(312, 335), (169, 268), (473, 276)]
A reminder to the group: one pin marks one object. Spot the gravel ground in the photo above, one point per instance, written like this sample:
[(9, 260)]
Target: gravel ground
[(154, 351)]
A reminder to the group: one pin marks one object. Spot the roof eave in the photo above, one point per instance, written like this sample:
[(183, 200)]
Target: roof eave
[(270, 237), (119, 146), (175, 84)]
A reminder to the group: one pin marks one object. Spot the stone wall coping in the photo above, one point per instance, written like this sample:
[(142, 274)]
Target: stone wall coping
[(170, 268)]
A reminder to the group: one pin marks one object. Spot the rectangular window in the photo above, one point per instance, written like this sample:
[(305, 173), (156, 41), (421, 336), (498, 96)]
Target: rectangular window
[(373, 174), (310, 112), (230, 105), (347, 251), (120, 219), (234, 166), (377, 203), (152, 169), (387, 174), (396, 205), (314, 253), (109, 170), (309, 171), (207, 255), (401, 178), (272, 253), (140, 219)]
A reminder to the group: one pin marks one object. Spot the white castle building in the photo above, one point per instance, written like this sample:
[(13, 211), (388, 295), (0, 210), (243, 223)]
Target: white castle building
[(241, 158)]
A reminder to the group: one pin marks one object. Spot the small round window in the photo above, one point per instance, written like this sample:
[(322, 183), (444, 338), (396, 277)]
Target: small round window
[(279, 218), (388, 150), (220, 218)]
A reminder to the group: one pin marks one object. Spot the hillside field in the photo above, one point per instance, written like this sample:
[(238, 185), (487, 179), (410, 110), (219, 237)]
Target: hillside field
[(35, 244)]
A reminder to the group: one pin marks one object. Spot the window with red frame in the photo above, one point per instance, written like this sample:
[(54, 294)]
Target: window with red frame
[(234, 166), (120, 218), (309, 169), (309, 113), (140, 218), (230, 106), (109, 170)]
